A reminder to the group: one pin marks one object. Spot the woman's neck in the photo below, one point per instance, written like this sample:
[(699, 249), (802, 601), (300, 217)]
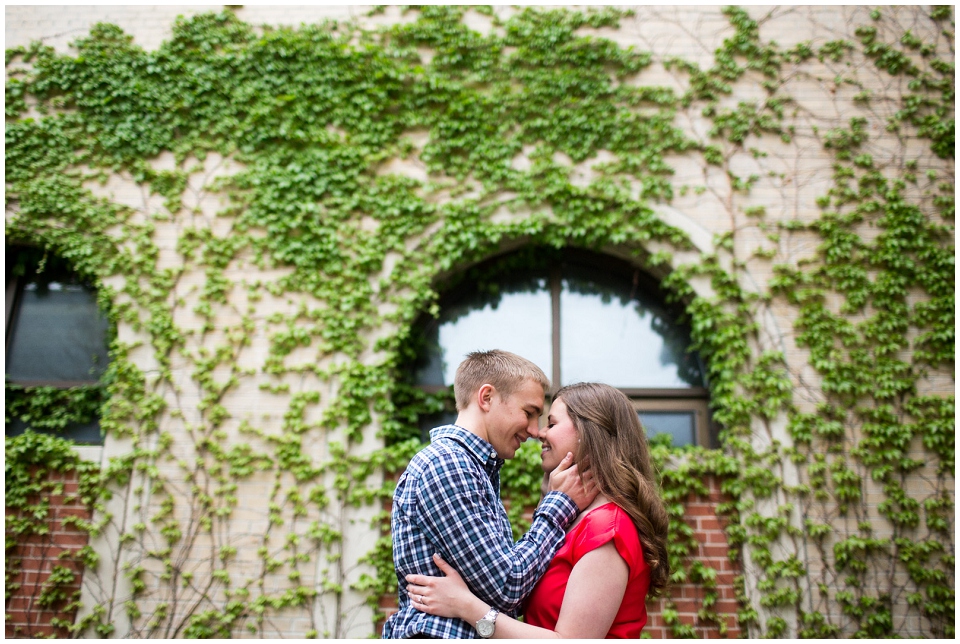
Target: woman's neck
[(597, 502)]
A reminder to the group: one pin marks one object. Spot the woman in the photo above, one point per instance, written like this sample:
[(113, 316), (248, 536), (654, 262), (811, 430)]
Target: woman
[(615, 552)]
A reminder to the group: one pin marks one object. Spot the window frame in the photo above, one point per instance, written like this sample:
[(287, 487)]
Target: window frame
[(693, 399), (15, 286), (700, 408)]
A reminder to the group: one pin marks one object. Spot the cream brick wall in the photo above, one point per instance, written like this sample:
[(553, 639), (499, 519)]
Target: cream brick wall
[(802, 174)]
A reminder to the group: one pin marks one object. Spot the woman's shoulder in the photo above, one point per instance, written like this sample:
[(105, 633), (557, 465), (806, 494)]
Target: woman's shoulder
[(605, 521), (610, 522), (608, 515)]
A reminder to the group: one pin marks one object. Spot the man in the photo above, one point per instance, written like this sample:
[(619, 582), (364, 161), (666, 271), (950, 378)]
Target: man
[(447, 502)]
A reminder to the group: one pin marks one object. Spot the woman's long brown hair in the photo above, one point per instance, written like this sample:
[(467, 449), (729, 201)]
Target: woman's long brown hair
[(613, 444)]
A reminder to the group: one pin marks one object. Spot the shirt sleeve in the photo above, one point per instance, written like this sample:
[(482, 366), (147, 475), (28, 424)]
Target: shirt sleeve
[(456, 514), (609, 524)]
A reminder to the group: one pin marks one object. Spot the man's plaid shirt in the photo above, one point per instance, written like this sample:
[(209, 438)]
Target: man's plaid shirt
[(448, 502)]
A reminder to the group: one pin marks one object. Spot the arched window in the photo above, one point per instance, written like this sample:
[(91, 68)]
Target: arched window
[(56, 340), (580, 317)]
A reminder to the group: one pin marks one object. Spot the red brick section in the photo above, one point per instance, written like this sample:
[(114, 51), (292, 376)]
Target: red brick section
[(701, 515), (37, 555)]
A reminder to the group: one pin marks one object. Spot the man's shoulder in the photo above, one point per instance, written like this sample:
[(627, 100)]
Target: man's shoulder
[(442, 452)]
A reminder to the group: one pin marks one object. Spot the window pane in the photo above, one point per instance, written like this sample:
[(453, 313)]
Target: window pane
[(59, 335), (83, 433), (622, 338), (679, 424), (515, 317)]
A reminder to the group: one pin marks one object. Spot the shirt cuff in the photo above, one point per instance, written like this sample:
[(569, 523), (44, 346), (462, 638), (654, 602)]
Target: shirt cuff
[(558, 508)]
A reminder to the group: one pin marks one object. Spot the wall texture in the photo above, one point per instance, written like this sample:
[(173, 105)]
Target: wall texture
[(35, 603), (267, 210)]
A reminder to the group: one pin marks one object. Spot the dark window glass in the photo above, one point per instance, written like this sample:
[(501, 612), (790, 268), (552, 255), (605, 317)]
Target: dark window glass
[(429, 421), (59, 335), (56, 336), (681, 425), (82, 433)]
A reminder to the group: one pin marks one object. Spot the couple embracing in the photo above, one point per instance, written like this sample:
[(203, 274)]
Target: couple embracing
[(597, 544)]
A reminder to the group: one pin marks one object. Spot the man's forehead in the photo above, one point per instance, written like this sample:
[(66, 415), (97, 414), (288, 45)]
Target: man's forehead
[(530, 393), (533, 396)]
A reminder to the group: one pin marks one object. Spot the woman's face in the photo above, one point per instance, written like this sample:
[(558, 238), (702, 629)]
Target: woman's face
[(558, 437)]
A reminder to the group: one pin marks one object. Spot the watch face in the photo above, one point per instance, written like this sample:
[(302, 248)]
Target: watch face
[(485, 627)]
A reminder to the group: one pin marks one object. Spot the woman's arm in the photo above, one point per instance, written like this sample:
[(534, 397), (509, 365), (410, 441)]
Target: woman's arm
[(590, 604)]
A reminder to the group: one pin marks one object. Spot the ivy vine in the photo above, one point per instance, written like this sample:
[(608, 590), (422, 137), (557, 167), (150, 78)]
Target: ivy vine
[(297, 132)]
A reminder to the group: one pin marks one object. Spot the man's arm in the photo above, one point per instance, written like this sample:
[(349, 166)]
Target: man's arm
[(594, 594), (458, 514)]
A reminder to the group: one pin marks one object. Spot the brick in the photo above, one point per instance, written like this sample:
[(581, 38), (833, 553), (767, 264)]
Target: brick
[(41, 630), (714, 634), (724, 579), (73, 511), (33, 539), (686, 606), (388, 601), (65, 539), (32, 563), (24, 578), (726, 607), (699, 509), (18, 603), (686, 591), (59, 527), (720, 552), (71, 486), (709, 524), (716, 537)]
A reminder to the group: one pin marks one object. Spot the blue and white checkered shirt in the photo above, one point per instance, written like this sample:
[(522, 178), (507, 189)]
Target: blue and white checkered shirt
[(448, 502)]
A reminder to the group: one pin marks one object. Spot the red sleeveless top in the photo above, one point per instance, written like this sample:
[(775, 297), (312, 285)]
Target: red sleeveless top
[(600, 525)]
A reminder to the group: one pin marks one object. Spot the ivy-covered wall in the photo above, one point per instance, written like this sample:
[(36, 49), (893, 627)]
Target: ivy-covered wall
[(266, 209)]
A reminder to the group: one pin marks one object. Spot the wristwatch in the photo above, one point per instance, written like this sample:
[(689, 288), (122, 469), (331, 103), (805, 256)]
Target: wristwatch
[(488, 623)]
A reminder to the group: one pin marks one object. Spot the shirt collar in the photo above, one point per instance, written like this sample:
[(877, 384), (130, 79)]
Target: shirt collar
[(481, 449)]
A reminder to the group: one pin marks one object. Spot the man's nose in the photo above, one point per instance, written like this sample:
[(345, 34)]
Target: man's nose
[(534, 428)]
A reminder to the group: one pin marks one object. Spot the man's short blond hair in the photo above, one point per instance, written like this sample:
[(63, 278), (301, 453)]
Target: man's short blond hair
[(506, 371)]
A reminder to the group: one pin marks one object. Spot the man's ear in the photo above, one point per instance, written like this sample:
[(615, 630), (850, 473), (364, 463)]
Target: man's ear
[(485, 396)]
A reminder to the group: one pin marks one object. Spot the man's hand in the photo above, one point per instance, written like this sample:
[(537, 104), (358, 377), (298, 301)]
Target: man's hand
[(566, 478)]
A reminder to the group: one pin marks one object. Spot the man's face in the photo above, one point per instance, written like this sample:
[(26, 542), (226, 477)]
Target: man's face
[(515, 418)]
